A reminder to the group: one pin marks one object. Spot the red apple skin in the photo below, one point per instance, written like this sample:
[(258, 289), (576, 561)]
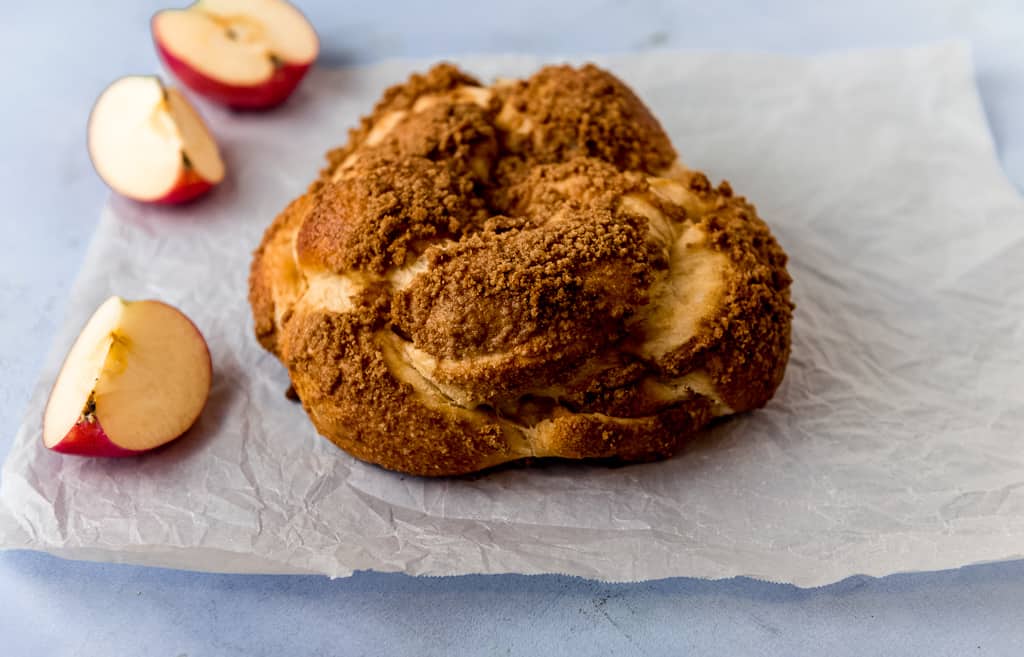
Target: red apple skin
[(189, 186), (87, 438), (262, 96)]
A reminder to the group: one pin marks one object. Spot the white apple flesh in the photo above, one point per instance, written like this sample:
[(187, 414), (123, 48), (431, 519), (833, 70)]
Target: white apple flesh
[(137, 377), (148, 143), (246, 54)]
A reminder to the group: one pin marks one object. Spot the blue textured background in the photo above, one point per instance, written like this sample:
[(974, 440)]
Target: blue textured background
[(58, 56)]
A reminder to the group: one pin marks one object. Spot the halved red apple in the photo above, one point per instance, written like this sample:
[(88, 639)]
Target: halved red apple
[(247, 54), (148, 143), (137, 377)]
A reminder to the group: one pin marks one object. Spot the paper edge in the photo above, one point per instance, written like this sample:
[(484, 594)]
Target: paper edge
[(242, 563)]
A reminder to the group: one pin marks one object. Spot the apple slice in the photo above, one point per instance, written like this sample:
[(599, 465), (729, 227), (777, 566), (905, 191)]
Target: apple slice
[(137, 377), (246, 54), (149, 144)]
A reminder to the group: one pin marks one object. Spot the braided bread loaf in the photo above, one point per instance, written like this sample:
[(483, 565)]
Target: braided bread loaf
[(484, 274)]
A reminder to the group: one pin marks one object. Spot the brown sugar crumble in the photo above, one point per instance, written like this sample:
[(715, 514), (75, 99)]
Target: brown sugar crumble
[(483, 274)]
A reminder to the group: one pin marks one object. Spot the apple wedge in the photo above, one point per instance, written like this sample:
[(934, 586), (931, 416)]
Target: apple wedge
[(136, 378), (246, 54), (148, 143)]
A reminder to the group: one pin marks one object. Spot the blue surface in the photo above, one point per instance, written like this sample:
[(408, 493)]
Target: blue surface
[(59, 58)]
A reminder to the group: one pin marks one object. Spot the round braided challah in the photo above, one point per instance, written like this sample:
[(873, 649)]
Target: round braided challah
[(484, 274)]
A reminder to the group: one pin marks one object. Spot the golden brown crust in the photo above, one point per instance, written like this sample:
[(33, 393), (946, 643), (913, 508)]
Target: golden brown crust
[(591, 436), (440, 78), (341, 371), (745, 348), (521, 306), (460, 135), (546, 190), (272, 262), (372, 220), (584, 112), (484, 274), (573, 281)]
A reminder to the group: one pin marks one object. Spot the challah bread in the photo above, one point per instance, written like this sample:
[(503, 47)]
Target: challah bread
[(489, 273)]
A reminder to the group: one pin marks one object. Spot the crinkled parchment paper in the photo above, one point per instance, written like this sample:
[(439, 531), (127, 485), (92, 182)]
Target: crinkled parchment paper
[(894, 444)]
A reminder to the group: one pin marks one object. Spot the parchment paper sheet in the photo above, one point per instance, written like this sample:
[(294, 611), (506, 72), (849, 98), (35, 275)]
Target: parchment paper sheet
[(894, 444)]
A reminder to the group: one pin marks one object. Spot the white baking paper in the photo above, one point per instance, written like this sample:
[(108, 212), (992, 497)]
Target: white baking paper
[(896, 442)]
